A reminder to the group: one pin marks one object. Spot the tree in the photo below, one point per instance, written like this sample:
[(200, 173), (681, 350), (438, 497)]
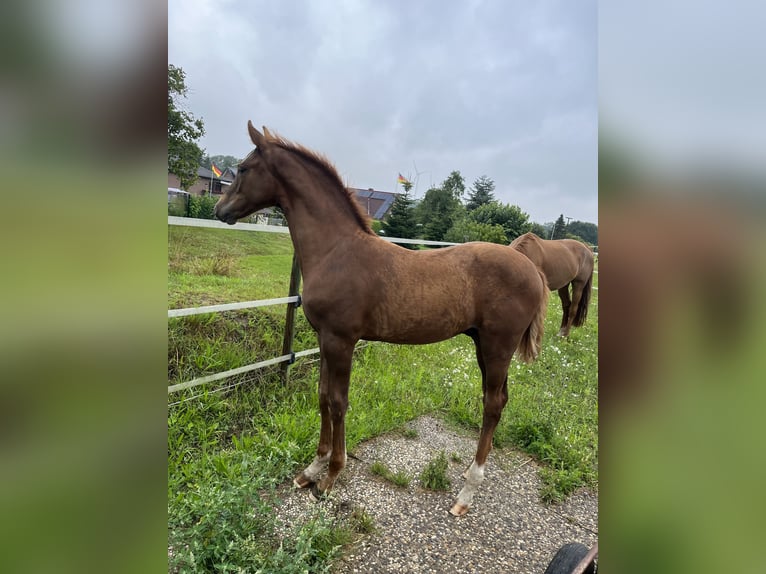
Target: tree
[(481, 193), (559, 228), (437, 212), (539, 230), (184, 155), (401, 220), (455, 185), (510, 218), (465, 229), (588, 232)]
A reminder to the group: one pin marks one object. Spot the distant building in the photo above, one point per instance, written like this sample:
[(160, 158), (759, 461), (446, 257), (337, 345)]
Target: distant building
[(203, 185), (376, 204)]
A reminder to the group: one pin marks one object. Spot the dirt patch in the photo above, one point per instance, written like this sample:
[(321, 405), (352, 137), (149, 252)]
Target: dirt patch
[(507, 528)]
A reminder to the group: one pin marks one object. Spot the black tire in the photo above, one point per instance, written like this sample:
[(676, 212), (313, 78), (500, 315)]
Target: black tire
[(568, 557)]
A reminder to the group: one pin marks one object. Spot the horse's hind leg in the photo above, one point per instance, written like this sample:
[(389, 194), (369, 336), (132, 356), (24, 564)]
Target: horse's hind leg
[(566, 308), (495, 397), (577, 289), (474, 334)]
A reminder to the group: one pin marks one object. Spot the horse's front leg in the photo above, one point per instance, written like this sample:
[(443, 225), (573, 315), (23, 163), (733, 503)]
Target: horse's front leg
[(310, 475), (336, 356)]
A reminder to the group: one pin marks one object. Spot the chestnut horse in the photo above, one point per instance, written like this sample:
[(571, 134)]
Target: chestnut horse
[(359, 286), (564, 262)]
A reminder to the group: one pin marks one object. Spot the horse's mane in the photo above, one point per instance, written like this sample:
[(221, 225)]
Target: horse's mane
[(324, 164)]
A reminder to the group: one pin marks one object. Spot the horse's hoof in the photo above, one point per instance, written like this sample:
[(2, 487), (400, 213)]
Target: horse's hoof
[(316, 495), (458, 509), (301, 481)]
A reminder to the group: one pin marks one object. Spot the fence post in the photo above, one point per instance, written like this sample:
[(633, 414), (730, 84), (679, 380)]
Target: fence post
[(287, 343)]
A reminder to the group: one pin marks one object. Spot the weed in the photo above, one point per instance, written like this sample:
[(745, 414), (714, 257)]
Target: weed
[(400, 478), (379, 469), (434, 475), (455, 457), (361, 521), (410, 433)]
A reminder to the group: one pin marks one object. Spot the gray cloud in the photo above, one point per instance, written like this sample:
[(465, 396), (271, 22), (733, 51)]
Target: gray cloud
[(506, 89)]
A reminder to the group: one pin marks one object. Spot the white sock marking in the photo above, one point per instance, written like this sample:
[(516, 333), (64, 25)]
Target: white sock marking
[(316, 467), (474, 477)]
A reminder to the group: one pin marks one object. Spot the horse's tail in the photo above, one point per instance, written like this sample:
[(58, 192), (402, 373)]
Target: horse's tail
[(582, 308), (532, 339)]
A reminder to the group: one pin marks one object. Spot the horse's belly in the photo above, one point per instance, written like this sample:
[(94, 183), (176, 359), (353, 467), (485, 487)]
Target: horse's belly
[(416, 330)]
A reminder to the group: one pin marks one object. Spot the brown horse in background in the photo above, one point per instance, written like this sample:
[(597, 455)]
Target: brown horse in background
[(359, 286), (564, 262)]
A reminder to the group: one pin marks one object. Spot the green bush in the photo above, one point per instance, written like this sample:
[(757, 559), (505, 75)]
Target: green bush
[(177, 205), (202, 207)]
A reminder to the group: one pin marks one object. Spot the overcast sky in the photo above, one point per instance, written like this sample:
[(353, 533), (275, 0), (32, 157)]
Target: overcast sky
[(499, 88)]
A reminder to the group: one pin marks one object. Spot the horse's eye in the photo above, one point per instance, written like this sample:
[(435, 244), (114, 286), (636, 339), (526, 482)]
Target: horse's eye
[(241, 170)]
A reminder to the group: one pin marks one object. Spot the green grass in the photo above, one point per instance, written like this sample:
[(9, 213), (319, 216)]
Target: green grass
[(210, 266), (228, 451), (400, 478)]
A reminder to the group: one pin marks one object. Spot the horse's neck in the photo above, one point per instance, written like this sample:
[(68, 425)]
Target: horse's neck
[(533, 249), (318, 222)]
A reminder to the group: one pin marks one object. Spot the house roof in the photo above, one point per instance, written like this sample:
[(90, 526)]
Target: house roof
[(208, 174), (383, 200)]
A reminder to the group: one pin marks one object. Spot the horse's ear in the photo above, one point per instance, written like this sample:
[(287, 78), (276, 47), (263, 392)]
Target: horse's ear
[(267, 133), (256, 136)]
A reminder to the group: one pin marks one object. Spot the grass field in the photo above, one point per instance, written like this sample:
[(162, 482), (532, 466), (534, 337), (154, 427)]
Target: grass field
[(228, 450)]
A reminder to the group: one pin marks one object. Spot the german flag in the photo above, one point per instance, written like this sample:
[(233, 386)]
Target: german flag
[(401, 179), (217, 171)]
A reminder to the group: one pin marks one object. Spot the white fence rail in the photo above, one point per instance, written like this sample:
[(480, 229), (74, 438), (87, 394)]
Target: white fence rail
[(173, 313), (191, 222), (241, 370)]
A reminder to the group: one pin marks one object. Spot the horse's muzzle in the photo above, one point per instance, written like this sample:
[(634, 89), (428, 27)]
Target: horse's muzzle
[(222, 215)]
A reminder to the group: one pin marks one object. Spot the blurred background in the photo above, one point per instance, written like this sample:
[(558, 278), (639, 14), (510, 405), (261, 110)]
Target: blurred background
[(82, 335), (681, 192), (681, 362)]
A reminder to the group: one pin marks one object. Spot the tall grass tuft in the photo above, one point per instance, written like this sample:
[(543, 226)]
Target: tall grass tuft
[(434, 475)]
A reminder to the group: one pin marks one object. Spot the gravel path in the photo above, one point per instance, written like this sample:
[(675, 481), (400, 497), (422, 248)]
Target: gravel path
[(506, 530)]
